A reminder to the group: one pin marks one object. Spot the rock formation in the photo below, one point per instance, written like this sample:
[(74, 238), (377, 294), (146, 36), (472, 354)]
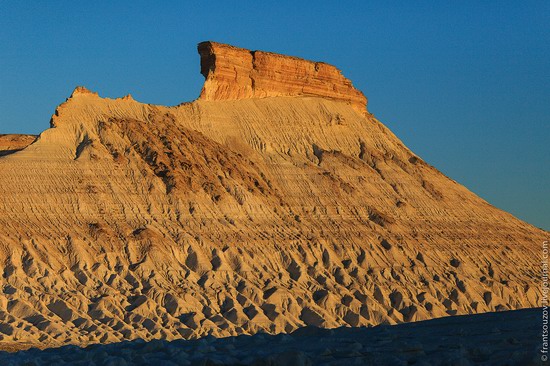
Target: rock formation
[(265, 205), (236, 73), (504, 338), (12, 143)]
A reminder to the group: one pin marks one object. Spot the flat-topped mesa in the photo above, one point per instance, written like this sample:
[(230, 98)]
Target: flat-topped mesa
[(236, 73)]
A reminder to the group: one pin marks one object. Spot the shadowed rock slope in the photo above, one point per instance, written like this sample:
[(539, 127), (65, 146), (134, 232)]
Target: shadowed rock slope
[(127, 220), (503, 338)]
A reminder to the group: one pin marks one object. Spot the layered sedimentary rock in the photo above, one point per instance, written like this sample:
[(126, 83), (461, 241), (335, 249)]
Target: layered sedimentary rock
[(12, 143), (127, 220), (233, 73)]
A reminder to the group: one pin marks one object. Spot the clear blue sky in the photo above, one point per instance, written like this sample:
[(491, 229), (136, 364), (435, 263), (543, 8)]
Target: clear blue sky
[(466, 85)]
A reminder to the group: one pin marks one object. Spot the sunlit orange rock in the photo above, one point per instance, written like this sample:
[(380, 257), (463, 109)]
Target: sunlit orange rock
[(237, 73)]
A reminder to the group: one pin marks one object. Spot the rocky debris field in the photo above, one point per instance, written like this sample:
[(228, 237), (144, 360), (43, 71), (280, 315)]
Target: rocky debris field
[(504, 338)]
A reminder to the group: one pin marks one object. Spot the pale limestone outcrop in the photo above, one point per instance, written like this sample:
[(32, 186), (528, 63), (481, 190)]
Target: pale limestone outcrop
[(233, 73)]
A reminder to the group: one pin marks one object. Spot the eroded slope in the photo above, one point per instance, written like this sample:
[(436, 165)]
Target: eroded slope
[(224, 217), (13, 143)]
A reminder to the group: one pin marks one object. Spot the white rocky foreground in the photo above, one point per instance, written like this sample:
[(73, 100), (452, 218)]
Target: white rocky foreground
[(505, 338)]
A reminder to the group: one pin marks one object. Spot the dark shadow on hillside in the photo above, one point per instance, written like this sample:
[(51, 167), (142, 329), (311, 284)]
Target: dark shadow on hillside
[(504, 338)]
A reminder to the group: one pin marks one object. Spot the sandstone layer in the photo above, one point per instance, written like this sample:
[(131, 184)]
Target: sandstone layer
[(233, 73), (222, 216)]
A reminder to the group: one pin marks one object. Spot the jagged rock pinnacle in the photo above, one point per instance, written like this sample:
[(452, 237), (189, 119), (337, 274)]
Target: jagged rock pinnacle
[(80, 90)]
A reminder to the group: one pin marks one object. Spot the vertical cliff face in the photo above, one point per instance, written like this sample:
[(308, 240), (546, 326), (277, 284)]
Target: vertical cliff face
[(236, 73)]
